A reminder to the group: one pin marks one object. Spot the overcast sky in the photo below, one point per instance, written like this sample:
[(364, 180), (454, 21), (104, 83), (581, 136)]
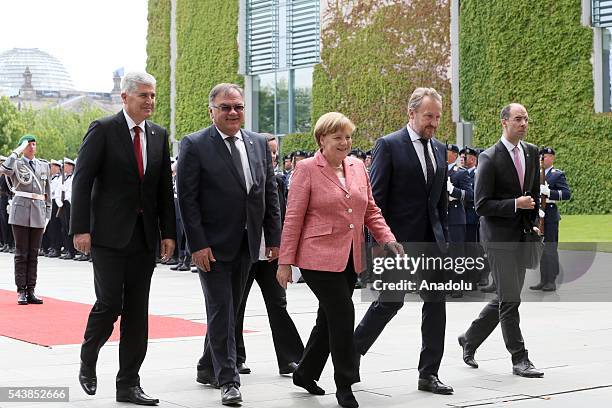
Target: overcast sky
[(92, 38)]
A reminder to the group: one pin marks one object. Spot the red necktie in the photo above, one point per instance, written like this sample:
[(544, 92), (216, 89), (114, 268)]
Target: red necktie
[(138, 151)]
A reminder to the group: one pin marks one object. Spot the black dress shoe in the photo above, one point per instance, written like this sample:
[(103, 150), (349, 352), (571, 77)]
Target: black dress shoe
[(526, 368), (206, 377), (345, 397), (433, 384), (81, 258), (539, 286), (67, 256), (468, 357), (171, 261), (243, 369), (489, 288), (88, 379), (549, 287), (230, 394), (175, 267), (22, 298), (53, 254), (32, 298), (309, 385), (288, 369), (135, 395), (183, 267)]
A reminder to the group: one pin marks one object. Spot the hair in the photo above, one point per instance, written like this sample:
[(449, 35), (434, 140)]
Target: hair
[(505, 112), (269, 137), (223, 89), (332, 122), (416, 99), (131, 80)]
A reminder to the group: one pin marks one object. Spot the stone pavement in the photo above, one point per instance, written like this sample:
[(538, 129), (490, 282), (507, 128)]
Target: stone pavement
[(571, 342)]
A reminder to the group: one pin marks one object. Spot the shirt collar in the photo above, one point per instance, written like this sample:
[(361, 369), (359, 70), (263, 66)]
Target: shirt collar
[(414, 136), (546, 171), (510, 146), (131, 123), (224, 136)]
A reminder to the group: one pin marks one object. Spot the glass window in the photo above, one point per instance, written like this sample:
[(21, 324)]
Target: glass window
[(606, 68), (282, 102), (303, 99), (264, 86)]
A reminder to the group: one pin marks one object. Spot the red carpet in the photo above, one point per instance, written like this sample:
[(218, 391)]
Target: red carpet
[(61, 322)]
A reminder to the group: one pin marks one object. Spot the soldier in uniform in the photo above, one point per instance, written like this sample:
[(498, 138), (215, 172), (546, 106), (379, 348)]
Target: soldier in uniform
[(54, 228), (3, 221), (29, 213), (555, 189), (460, 190), (66, 200)]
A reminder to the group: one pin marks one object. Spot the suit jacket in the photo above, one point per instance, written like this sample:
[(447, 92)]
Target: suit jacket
[(213, 201), (497, 187), (559, 190), (107, 193), (399, 189), (325, 219), (24, 211)]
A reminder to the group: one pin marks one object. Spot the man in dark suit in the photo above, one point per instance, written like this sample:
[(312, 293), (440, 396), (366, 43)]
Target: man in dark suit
[(555, 189), (507, 189), (227, 193), (408, 175), (121, 199), (287, 342)]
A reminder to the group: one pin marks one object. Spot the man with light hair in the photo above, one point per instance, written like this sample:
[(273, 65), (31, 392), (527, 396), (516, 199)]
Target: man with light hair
[(121, 202), (409, 185)]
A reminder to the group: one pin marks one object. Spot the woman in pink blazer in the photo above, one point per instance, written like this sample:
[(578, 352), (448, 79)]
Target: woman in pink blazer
[(330, 201)]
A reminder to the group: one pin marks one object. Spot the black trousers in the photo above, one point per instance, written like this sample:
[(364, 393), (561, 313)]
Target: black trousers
[(65, 223), (509, 277), (5, 228), (549, 264), (287, 342), (122, 279), (27, 244), (333, 330), (54, 230), (223, 287)]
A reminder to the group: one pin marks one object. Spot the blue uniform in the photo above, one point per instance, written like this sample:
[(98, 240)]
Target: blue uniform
[(462, 192), (559, 190)]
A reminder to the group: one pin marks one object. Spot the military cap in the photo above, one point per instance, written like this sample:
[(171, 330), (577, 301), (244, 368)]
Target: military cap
[(369, 153), (69, 161), (469, 150), (452, 147), (28, 138), (299, 153), (358, 153), (55, 162), (547, 150)]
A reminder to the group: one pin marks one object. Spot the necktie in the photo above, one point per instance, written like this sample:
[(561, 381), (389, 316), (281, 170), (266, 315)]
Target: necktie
[(138, 152), (517, 164), (428, 164), (236, 159), (32, 165)]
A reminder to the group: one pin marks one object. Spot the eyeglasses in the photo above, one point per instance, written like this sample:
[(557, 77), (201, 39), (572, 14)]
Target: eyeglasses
[(228, 108)]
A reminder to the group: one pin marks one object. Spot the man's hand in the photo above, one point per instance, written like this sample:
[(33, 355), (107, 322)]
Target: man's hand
[(203, 258), (82, 243), (166, 249), (525, 203), (544, 189), (449, 186), (537, 231), (283, 275), (21, 147), (271, 253), (541, 213)]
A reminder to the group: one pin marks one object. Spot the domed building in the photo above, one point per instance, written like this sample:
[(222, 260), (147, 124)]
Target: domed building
[(48, 73)]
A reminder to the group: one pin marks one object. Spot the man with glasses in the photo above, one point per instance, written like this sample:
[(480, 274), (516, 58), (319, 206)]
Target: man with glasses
[(227, 194), (507, 189)]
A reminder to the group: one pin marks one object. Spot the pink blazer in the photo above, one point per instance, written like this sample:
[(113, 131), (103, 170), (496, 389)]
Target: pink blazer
[(324, 219)]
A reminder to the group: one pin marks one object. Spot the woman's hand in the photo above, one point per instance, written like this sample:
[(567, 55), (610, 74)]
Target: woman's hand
[(395, 247), (283, 275)]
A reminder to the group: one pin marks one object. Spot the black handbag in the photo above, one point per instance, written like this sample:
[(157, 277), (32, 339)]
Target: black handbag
[(533, 247)]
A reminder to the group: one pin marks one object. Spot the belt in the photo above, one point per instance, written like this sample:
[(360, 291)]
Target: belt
[(32, 196)]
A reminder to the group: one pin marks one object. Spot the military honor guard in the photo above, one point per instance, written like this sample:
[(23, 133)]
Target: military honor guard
[(54, 228), (66, 201), (30, 210), (555, 189)]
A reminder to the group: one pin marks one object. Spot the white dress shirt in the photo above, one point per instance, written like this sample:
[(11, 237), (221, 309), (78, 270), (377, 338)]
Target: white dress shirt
[(420, 150), (143, 137), (243, 156)]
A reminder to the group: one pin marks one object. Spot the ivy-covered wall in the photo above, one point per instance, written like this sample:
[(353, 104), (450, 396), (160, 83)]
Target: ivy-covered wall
[(374, 54), (158, 57), (540, 57), (207, 39)]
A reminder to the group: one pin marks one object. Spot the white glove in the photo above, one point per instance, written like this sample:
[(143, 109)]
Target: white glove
[(541, 213), (46, 223), (544, 189), (21, 147), (59, 202), (449, 186)]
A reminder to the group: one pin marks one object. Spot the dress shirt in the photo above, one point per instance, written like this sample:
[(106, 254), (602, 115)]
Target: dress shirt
[(510, 147), (244, 159), (420, 150), (143, 137)]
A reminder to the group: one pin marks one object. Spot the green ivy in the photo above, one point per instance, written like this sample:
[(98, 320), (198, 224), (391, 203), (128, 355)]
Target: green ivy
[(207, 36), (297, 141), (540, 57), (158, 57)]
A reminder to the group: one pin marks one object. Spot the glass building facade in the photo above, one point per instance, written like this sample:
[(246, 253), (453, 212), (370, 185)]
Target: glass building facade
[(280, 44)]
